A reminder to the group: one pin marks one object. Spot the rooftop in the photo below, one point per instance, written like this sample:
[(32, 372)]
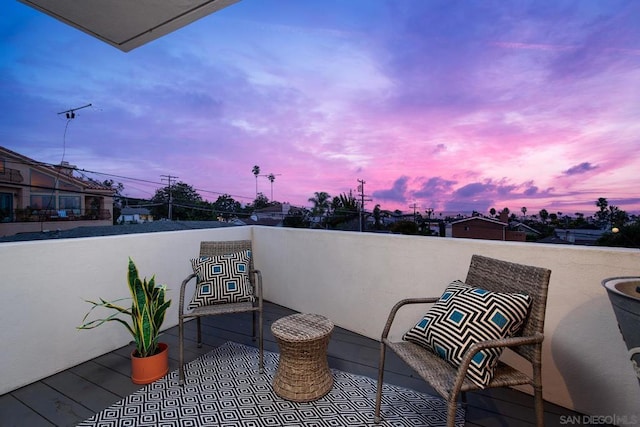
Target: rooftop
[(73, 395)]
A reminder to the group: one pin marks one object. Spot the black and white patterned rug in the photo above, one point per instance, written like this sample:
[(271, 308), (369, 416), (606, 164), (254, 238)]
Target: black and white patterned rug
[(223, 388)]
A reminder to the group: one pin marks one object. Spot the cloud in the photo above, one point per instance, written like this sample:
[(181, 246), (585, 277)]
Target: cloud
[(474, 189), (435, 187), (397, 193), (580, 169)]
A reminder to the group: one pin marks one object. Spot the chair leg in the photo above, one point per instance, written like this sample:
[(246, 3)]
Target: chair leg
[(199, 332), (452, 405), (260, 341), (538, 403), (539, 406), (253, 325), (376, 415), (181, 350)]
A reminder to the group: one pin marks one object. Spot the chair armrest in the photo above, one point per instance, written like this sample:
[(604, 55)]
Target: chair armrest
[(182, 289), (504, 342), (400, 304), (536, 338), (258, 285)]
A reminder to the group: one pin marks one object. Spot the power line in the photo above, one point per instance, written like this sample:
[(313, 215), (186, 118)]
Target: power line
[(127, 178)]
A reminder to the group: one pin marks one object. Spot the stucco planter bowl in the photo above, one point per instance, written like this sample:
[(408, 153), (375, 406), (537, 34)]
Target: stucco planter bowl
[(624, 294)]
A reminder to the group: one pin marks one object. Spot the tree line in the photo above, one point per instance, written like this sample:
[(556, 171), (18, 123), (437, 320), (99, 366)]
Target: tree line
[(344, 212)]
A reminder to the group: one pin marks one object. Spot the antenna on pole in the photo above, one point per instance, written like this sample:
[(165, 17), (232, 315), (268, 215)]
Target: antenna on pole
[(71, 113)]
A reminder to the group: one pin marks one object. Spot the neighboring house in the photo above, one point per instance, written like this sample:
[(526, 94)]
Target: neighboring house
[(133, 215), (39, 197), (276, 212), (485, 228), (528, 231), (272, 216), (579, 236)]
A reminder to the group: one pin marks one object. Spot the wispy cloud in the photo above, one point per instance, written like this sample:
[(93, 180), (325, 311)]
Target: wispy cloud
[(582, 168), (454, 105)]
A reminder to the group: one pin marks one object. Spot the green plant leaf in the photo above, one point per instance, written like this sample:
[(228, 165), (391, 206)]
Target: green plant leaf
[(147, 311)]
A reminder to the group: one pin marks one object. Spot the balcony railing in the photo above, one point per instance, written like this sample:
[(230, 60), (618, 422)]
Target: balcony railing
[(40, 215), (352, 278)]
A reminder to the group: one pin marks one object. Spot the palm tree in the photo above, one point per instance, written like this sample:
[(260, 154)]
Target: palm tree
[(544, 214), (524, 212), (377, 215), (271, 177), (320, 204), (256, 172)]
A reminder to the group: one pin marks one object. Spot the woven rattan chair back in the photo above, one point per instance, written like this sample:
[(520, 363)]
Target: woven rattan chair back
[(217, 248), (502, 276), (229, 247), (450, 381)]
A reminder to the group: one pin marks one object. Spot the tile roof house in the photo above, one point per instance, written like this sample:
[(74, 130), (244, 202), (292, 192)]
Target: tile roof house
[(485, 228), (134, 215), (36, 196)]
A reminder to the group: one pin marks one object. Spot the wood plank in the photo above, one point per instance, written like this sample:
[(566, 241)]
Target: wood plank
[(82, 391), (112, 381), (52, 405), (14, 413)]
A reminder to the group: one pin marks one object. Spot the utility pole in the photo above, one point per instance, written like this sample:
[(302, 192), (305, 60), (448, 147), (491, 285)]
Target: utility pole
[(429, 211), (361, 183), (169, 178), (414, 206)]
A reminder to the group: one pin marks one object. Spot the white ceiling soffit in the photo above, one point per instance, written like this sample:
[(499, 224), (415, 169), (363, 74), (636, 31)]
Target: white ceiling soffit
[(127, 24)]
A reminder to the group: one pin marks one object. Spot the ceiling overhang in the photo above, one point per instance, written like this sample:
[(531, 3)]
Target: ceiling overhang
[(127, 24)]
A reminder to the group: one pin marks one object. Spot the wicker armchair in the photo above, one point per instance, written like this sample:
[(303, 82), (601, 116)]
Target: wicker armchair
[(211, 249), (450, 382)]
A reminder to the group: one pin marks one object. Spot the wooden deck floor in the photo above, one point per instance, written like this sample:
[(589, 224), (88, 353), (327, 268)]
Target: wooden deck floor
[(74, 395)]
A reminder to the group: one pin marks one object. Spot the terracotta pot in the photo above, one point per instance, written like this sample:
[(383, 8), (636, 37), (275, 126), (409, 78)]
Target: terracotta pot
[(145, 370)]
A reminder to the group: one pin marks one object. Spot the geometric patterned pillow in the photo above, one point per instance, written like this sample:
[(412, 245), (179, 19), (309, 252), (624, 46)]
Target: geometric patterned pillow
[(222, 279), (464, 316)]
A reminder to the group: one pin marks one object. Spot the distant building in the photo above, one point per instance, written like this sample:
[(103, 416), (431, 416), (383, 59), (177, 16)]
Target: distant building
[(579, 236), (134, 215), (35, 196), (485, 228), (528, 231)]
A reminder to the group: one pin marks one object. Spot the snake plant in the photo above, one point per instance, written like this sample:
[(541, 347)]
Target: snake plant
[(148, 307)]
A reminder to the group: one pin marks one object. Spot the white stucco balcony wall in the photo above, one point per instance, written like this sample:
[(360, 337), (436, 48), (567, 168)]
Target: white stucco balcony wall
[(352, 278)]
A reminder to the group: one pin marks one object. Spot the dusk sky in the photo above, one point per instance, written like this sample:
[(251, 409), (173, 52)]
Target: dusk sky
[(450, 105)]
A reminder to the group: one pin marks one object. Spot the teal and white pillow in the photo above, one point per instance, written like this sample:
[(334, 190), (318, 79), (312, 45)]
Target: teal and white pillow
[(464, 316), (222, 279)]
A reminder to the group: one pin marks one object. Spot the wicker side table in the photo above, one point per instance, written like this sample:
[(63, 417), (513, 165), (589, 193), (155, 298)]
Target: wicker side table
[(303, 371)]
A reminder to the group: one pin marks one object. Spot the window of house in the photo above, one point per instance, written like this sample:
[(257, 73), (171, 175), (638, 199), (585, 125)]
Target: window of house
[(6, 207), (41, 180), (69, 203), (2, 167), (63, 185), (42, 201)]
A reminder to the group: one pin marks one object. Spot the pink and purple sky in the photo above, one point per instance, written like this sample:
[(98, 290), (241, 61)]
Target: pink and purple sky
[(451, 105)]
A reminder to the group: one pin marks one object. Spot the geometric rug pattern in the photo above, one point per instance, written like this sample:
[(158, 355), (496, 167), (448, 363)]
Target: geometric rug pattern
[(223, 388)]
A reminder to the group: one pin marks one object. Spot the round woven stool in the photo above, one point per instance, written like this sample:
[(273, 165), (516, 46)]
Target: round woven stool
[(303, 371)]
